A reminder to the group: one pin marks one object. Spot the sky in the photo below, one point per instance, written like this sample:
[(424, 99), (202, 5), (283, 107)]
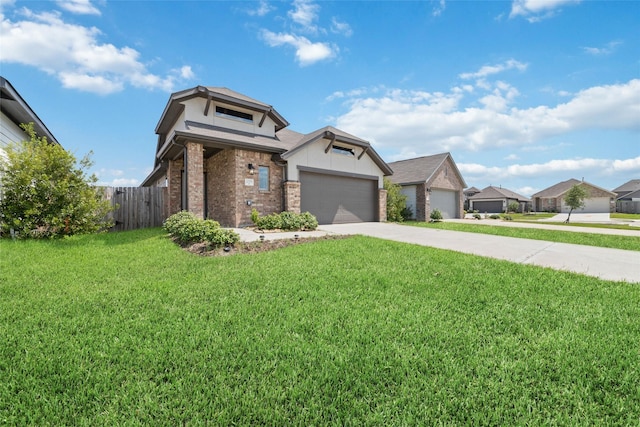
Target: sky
[(523, 94)]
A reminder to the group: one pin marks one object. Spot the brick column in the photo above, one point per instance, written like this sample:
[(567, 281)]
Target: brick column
[(195, 179), (174, 173), (292, 196), (382, 205)]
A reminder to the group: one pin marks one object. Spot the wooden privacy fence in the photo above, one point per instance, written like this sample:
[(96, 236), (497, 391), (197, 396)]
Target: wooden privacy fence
[(627, 206), (137, 207)]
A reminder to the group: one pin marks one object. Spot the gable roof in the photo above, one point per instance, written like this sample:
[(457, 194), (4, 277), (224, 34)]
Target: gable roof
[(337, 135), (492, 192), (560, 188), (421, 169), (18, 111), (628, 186), (631, 195), (472, 189), (221, 94)]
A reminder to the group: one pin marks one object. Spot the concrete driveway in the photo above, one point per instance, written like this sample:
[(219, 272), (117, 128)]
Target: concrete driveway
[(604, 263)]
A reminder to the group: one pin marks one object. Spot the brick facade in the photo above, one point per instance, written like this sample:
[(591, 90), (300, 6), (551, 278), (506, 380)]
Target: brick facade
[(195, 179), (292, 196), (174, 180), (422, 203), (382, 205)]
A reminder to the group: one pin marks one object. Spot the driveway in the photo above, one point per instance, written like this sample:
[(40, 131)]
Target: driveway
[(604, 263)]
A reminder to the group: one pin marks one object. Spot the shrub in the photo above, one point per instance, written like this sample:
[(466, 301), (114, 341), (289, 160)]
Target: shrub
[(477, 216), (494, 216), (396, 201), (406, 213), (436, 215), (288, 221), (47, 193), (513, 207), (187, 228), (507, 218)]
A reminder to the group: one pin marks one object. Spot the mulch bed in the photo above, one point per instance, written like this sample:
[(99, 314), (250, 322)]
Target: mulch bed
[(253, 247)]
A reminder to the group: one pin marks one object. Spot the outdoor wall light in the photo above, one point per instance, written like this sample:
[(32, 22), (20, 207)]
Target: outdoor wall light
[(251, 168)]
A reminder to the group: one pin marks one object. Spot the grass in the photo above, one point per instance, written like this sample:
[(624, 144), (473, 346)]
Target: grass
[(126, 328), (602, 240), (625, 216)]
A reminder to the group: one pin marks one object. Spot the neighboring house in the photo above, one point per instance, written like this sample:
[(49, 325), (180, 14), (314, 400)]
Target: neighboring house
[(551, 199), (497, 200), (221, 154), (430, 182), (15, 111), (469, 192), (628, 197)]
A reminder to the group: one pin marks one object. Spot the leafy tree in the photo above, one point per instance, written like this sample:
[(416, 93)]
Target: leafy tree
[(575, 198), (46, 193), (513, 207), (396, 201)]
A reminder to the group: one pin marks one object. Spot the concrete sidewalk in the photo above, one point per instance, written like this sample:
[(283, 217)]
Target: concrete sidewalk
[(538, 224), (604, 263)]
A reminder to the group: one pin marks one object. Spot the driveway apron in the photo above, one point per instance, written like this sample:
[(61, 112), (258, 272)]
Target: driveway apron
[(604, 263)]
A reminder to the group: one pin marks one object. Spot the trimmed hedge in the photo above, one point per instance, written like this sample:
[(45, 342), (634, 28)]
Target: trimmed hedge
[(187, 228), (287, 221)]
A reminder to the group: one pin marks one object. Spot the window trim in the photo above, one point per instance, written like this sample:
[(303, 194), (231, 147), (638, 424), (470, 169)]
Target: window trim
[(337, 149), (260, 172), (232, 114)]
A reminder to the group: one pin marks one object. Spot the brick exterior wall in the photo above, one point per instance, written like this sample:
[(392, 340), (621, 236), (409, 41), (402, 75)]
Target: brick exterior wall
[(195, 179), (446, 178), (546, 204), (422, 203), (292, 196), (221, 187), (174, 173), (382, 205)]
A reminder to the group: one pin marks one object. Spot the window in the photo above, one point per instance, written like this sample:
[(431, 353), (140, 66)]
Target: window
[(343, 150), (233, 114), (263, 178)]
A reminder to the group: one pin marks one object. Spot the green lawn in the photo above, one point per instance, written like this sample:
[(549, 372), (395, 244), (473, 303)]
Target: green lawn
[(127, 329), (602, 240)]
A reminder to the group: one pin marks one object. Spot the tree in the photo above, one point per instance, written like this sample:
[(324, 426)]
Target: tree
[(575, 198), (396, 201), (513, 207), (46, 193)]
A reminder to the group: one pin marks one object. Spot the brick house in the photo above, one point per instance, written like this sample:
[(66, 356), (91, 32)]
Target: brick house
[(551, 199), (430, 182), (221, 154), (497, 200)]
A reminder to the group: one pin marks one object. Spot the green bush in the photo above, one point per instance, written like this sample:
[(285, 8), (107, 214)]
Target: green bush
[(494, 216), (507, 218), (288, 221), (47, 193), (396, 201), (477, 216), (187, 228), (436, 215)]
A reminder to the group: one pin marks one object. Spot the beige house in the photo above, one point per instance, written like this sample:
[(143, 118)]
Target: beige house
[(494, 199), (430, 182), (222, 154), (551, 199)]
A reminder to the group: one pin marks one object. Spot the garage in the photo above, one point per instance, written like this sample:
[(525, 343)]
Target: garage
[(446, 202), (337, 199), (409, 191), (489, 206), (595, 205)]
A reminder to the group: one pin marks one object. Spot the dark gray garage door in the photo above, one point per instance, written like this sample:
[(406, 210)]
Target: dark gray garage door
[(488, 206), (337, 199)]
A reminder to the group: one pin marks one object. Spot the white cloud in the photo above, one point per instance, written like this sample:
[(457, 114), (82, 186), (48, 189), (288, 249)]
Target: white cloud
[(423, 123), (305, 13), (307, 52), (75, 56), (263, 9), (537, 10), (605, 50), (488, 70), (81, 7), (339, 27), (437, 10)]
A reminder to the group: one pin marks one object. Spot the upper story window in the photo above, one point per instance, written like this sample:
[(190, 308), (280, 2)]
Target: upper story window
[(233, 114), (343, 150)]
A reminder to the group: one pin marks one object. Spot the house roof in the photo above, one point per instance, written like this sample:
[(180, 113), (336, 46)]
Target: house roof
[(472, 190), (420, 169), (628, 186), (631, 195), (338, 135), (221, 94), (492, 192), (18, 111), (560, 188)]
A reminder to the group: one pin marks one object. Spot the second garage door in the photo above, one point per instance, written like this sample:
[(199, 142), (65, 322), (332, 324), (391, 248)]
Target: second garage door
[(336, 199), (446, 202)]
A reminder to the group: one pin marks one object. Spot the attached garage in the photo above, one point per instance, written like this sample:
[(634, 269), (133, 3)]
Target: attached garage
[(410, 192), (489, 206), (594, 205), (446, 202), (337, 199)]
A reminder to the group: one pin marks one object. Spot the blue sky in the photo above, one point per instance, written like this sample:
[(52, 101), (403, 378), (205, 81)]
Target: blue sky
[(523, 93)]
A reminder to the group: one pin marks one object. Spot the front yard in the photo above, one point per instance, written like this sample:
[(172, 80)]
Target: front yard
[(126, 328)]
